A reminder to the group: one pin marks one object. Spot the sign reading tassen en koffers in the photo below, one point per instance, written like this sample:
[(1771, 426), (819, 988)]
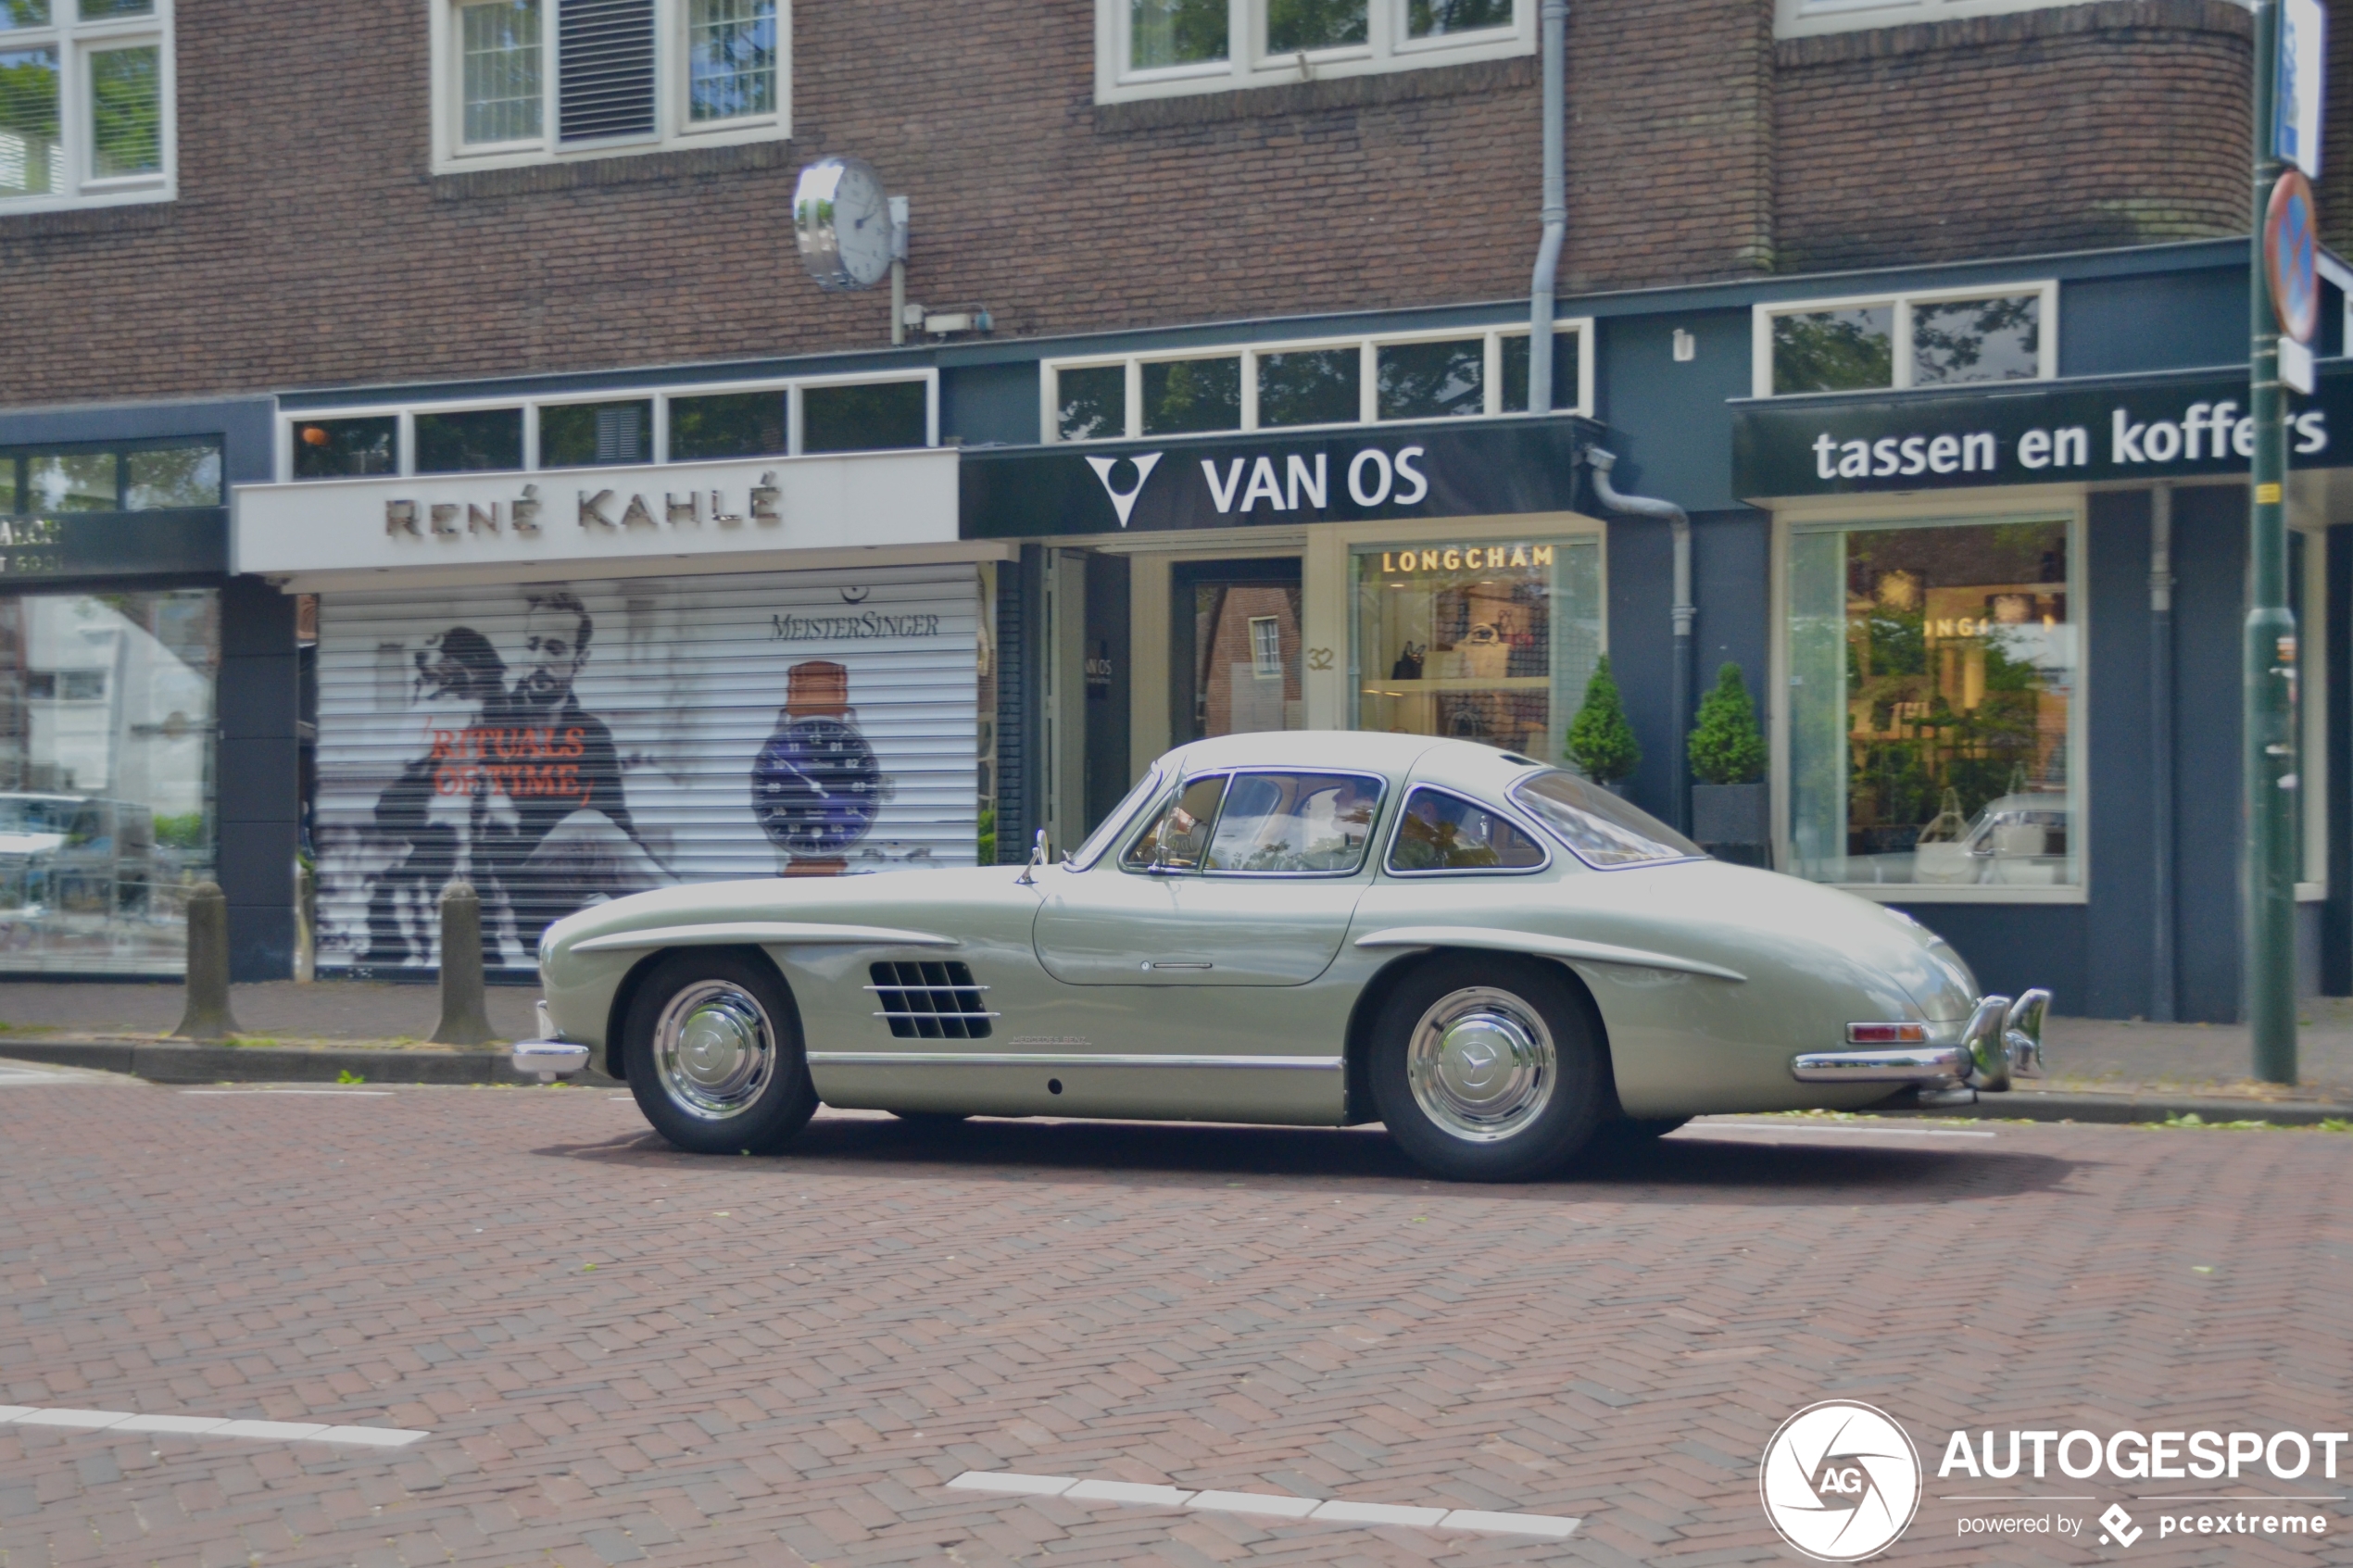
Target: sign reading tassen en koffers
[(2172, 427), (1489, 468)]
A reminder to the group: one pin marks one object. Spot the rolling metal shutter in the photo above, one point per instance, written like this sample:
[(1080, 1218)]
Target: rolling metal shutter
[(560, 743)]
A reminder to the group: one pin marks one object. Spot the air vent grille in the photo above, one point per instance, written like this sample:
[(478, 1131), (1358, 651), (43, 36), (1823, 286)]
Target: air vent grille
[(931, 1001), (605, 53)]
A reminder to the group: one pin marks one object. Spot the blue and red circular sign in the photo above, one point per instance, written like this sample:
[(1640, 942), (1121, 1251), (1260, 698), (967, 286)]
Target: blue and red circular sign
[(2290, 262)]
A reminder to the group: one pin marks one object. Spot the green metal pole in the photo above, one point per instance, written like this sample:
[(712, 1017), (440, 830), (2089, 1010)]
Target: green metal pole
[(2270, 652)]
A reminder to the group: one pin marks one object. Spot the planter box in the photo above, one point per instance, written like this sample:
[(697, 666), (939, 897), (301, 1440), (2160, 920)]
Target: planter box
[(1731, 814)]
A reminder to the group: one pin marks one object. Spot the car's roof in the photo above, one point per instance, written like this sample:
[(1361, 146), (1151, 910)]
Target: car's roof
[(1365, 750)]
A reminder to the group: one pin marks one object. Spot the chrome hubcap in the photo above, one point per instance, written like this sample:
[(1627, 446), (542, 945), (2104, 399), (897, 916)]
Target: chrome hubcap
[(714, 1050), (1481, 1064)]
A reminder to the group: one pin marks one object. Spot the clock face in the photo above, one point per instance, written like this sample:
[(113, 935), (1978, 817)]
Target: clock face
[(816, 786), (841, 219)]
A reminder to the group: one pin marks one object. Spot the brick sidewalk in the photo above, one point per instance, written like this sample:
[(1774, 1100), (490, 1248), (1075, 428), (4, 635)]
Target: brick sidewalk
[(623, 1353)]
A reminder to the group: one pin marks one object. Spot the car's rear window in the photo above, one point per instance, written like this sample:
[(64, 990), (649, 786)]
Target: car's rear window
[(1599, 828)]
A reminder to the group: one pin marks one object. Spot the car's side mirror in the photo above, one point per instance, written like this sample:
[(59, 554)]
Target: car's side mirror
[(1037, 857)]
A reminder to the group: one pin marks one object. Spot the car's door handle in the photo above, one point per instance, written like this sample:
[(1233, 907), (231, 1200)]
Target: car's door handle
[(1160, 963)]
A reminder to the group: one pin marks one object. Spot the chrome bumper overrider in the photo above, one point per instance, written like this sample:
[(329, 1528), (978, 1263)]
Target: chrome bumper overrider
[(2002, 1040), (549, 1059)]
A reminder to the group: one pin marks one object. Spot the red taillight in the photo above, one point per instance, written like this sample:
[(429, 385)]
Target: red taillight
[(1887, 1033)]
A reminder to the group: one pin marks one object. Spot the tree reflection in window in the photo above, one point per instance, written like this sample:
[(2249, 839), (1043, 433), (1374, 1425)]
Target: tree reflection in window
[(1977, 340), (1295, 25), (1849, 350)]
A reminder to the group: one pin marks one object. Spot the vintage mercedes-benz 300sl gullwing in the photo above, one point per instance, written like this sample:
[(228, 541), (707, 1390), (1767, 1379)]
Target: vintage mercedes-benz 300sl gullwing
[(1497, 960)]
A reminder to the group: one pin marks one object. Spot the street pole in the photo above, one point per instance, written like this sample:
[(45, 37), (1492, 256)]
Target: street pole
[(2268, 654)]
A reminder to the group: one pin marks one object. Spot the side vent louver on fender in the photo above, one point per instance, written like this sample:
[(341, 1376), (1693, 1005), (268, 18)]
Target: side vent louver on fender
[(931, 1001), (605, 64)]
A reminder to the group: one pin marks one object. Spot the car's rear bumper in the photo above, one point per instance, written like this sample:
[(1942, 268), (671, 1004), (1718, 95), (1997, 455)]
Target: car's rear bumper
[(2003, 1040)]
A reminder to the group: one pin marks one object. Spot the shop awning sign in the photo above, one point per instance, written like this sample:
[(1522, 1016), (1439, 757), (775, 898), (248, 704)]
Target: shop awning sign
[(2146, 428), (1494, 468)]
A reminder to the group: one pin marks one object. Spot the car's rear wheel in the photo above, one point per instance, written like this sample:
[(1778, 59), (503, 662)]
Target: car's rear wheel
[(714, 1056), (1488, 1069)]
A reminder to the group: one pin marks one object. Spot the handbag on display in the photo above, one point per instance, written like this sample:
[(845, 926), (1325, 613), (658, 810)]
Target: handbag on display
[(1409, 663)]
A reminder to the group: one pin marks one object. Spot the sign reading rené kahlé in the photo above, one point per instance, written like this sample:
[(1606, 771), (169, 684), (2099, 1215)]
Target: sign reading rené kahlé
[(579, 515)]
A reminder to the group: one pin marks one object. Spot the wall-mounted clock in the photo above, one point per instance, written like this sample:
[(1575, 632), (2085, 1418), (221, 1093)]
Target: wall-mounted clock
[(841, 219)]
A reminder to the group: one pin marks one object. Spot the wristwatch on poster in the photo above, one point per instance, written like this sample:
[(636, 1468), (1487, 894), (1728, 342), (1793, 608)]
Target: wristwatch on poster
[(816, 785)]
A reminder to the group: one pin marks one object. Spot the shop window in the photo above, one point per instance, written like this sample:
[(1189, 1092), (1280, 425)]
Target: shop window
[(1484, 640), (85, 102), (729, 424), (1154, 48), (105, 777), (1933, 706), (533, 80), (1906, 342), (877, 416), (347, 448), (1183, 396), (1440, 376), (144, 478), (470, 441), (1799, 19), (579, 435)]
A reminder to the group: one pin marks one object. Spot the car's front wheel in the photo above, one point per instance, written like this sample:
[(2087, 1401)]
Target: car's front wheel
[(714, 1052), (1486, 1069)]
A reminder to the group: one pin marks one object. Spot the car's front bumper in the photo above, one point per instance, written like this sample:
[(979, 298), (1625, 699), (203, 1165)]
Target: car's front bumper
[(2002, 1041), (550, 1056)]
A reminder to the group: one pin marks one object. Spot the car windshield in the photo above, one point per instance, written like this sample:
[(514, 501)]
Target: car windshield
[(1107, 828), (1599, 828)]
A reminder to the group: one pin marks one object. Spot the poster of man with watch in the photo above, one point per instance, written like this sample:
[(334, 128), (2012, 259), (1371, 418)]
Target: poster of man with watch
[(560, 744)]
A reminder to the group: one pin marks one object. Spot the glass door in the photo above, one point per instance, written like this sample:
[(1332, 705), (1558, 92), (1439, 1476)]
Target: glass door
[(1235, 642)]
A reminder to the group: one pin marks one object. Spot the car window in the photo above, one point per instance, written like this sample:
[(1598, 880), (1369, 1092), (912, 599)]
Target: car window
[(1438, 832), (1298, 824), (1109, 828), (1599, 828), (1178, 837)]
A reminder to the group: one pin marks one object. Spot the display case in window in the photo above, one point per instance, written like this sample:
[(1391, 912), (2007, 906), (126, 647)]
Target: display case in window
[(1479, 640)]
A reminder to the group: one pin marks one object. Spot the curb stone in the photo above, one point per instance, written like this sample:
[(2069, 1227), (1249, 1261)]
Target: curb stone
[(269, 1064), (2140, 1106)]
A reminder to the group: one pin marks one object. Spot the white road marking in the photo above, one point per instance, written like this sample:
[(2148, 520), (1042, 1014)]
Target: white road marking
[(348, 1094), (211, 1427), (15, 1077), (1832, 1127), (1009, 1483)]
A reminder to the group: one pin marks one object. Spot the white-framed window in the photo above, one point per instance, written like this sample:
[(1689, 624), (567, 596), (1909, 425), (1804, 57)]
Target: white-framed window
[(518, 81), (1163, 48), (1800, 19), (1898, 342), (1931, 744), (809, 416), (86, 110), (1464, 373)]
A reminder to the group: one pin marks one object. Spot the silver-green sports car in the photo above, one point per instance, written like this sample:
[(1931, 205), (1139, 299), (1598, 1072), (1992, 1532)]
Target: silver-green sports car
[(1497, 960)]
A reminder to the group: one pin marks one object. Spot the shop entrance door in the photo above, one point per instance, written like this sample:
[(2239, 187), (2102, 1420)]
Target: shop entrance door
[(1235, 643)]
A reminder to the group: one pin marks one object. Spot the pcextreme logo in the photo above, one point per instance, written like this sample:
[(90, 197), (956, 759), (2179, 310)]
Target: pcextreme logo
[(1840, 1481)]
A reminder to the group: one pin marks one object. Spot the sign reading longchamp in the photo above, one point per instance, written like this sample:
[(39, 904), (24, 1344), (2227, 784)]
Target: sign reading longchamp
[(2171, 427)]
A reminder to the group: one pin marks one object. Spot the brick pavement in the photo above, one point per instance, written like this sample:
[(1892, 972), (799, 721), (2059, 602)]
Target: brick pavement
[(626, 1354)]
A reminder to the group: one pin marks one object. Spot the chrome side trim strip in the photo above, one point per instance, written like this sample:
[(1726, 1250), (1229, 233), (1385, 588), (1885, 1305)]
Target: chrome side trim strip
[(1907, 1064), (1546, 946), (762, 933), (1055, 1058)]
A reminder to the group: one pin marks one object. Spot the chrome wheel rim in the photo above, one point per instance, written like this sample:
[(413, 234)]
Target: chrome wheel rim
[(1482, 1065), (714, 1050)]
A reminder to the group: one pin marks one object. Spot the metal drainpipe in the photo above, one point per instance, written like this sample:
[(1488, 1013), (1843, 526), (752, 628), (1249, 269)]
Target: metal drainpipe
[(2162, 1002), (1679, 692), (1555, 214)]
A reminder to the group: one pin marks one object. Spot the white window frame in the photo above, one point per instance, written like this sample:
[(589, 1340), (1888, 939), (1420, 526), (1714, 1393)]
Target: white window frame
[(1805, 18), (2045, 348), (75, 43), (1387, 49), (1369, 381), (2021, 504), (672, 130), (405, 443)]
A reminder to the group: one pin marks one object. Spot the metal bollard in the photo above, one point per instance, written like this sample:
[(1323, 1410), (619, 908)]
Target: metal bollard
[(208, 1016), (465, 1019)]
